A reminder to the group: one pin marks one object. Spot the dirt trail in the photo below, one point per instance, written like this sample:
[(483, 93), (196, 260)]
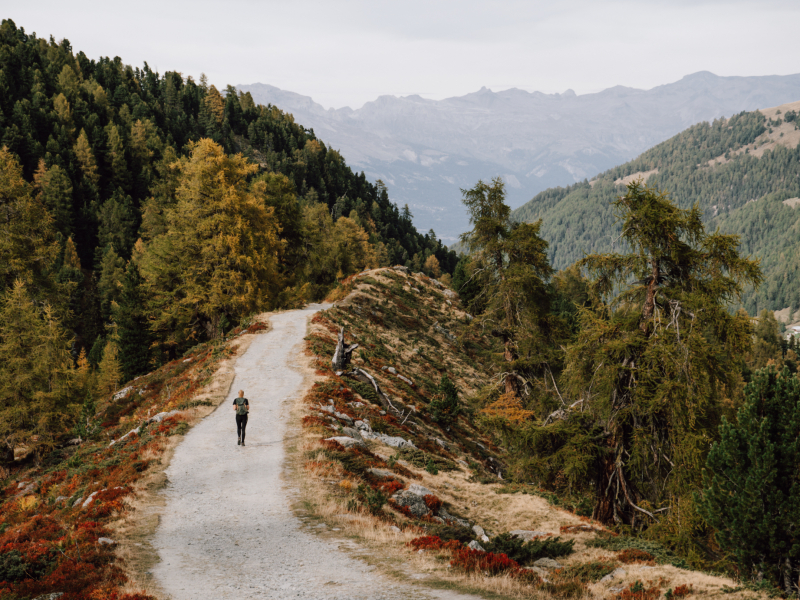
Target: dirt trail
[(227, 529)]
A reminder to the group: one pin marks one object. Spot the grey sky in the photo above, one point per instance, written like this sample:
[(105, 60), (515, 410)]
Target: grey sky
[(345, 53)]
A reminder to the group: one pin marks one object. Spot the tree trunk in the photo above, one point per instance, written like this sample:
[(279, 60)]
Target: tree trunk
[(511, 381), (650, 300)]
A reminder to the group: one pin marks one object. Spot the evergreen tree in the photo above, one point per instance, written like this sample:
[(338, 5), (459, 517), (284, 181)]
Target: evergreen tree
[(513, 275), (132, 326), (656, 354), (445, 408), (752, 482), (109, 285)]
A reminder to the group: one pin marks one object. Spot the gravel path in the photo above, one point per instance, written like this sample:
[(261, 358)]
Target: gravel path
[(227, 530)]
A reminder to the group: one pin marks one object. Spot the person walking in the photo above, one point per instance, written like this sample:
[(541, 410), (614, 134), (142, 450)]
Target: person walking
[(241, 407)]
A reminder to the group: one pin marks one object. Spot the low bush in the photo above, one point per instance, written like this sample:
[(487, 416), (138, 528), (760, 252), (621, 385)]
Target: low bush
[(527, 552), (634, 555), (584, 572), (421, 459), (618, 543)]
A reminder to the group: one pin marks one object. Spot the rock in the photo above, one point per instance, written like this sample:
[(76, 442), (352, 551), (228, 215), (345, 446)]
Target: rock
[(547, 563), (22, 484), (381, 473), (439, 520), (383, 413), (346, 418), (345, 441), (526, 534), (414, 502), (401, 268), (440, 443), (395, 529), (478, 530), (539, 571), (448, 517), (29, 488), (473, 545), (419, 490), (104, 541), (60, 498), (122, 393), (442, 331), (392, 370), (356, 404), (450, 294), (394, 442), (53, 596), (615, 574), (363, 425), (90, 498), (406, 379), (353, 433), (485, 539), (78, 501)]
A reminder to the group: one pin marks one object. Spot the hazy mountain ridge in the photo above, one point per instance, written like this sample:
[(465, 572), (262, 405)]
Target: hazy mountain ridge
[(425, 150), (743, 173)]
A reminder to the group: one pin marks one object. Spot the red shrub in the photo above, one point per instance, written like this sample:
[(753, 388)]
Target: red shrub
[(433, 503), (637, 591), (681, 591), (312, 420), (390, 487), (474, 561), (434, 542)]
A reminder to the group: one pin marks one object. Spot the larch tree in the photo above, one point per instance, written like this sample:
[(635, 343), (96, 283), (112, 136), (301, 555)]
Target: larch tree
[(512, 273), (36, 373), (657, 353), (219, 254), (28, 244)]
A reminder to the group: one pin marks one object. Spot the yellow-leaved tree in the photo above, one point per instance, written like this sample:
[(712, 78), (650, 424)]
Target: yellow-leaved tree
[(217, 259), (333, 250)]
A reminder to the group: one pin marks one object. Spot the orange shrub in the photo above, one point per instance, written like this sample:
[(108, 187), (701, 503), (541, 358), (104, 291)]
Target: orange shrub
[(634, 555)]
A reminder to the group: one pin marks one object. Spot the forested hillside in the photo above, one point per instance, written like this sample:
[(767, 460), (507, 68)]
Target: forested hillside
[(738, 171), (141, 213)]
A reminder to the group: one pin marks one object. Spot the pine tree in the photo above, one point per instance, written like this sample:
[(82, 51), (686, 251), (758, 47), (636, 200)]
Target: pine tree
[(752, 481), (54, 190), (109, 285), (116, 157), (132, 325)]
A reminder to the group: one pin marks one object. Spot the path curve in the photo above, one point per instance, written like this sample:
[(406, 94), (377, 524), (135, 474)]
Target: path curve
[(227, 529)]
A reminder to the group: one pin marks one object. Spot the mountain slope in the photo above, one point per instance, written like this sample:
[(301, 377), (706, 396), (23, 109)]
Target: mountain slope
[(426, 150), (739, 170)]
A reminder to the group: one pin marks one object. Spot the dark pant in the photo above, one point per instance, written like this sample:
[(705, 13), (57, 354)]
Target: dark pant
[(241, 423)]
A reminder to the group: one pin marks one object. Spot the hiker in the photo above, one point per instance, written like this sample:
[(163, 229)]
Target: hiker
[(241, 406)]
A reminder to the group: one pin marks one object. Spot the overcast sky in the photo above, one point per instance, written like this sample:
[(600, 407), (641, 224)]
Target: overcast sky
[(345, 53)]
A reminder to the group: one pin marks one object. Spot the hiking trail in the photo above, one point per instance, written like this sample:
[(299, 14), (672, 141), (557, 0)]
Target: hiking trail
[(227, 529)]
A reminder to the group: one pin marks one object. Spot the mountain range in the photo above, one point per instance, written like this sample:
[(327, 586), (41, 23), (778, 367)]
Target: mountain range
[(427, 150)]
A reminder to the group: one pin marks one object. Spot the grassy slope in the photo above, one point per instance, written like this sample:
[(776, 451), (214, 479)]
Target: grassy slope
[(739, 171), (393, 317)]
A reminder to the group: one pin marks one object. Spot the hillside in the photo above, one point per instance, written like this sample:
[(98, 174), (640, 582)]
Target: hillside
[(427, 150), (743, 172), (431, 493)]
